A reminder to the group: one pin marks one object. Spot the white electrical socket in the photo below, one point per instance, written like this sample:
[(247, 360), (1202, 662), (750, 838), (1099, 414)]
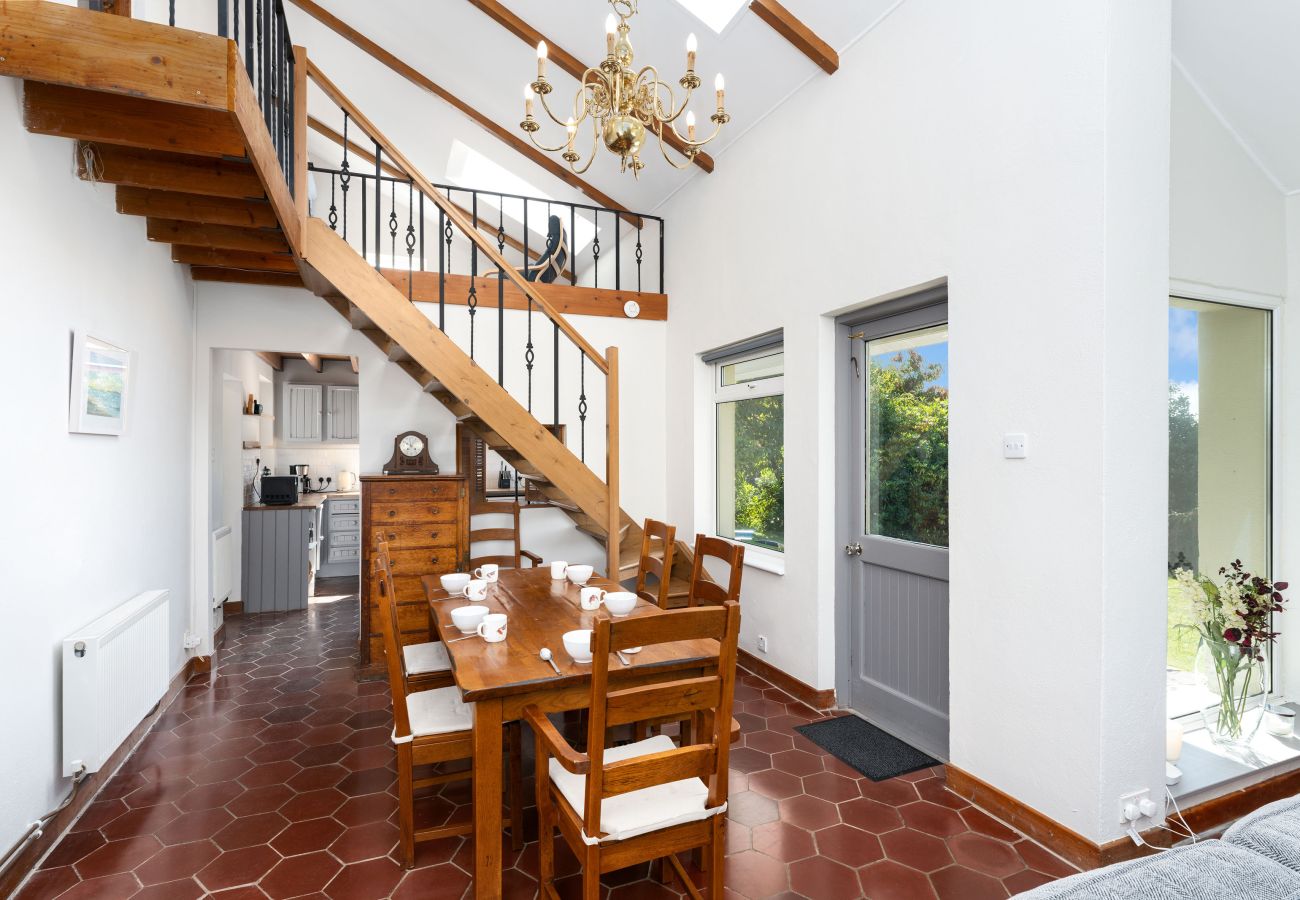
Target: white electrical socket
[(1137, 800), (1015, 445), (762, 643)]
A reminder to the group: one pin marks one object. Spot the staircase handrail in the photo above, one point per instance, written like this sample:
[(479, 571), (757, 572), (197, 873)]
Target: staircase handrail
[(454, 214)]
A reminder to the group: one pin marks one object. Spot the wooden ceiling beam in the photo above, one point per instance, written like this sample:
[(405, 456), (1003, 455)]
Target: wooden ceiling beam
[(217, 237), (133, 201), (233, 259), (242, 276), (69, 112), (359, 40), (567, 62), (797, 33), (314, 360), (534, 252), (274, 360), (159, 170), (356, 365)]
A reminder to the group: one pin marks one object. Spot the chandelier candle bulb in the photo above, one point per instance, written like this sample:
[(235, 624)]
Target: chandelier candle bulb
[(611, 27), (528, 101), (720, 86), (541, 60), (691, 46), (690, 126)]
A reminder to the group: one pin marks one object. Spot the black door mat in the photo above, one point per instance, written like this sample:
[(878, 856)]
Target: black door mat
[(875, 753)]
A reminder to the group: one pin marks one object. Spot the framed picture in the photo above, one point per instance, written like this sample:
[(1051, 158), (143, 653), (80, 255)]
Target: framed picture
[(101, 381)]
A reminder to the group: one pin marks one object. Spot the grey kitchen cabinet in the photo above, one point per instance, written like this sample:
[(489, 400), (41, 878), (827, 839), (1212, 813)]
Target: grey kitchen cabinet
[(303, 421), (342, 416), (280, 555)]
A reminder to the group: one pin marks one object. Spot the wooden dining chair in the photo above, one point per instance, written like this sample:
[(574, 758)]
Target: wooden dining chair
[(426, 663), (507, 534), (703, 589), (433, 726), (648, 800), (661, 567)]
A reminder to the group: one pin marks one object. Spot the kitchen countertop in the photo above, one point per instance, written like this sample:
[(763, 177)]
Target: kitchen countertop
[(305, 501)]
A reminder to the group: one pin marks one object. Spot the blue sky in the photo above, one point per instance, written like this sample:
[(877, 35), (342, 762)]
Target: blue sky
[(1182, 345), (931, 353)]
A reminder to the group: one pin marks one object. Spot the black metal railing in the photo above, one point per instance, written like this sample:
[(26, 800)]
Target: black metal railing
[(261, 31), (389, 220)]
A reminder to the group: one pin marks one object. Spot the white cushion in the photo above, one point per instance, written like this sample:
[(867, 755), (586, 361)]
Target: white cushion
[(422, 659), (439, 711), (638, 812)]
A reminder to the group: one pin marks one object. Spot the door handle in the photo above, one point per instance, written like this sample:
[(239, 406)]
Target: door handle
[(854, 549)]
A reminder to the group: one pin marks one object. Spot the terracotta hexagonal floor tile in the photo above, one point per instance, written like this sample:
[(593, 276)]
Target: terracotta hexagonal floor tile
[(775, 784), (317, 778), (753, 875), (312, 804), (957, 883), (145, 820), (246, 831), (263, 774), (937, 820), (984, 854), (117, 887), (888, 880), (820, 878), (921, 851), (118, 856), (370, 808), (442, 882), (832, 787), (298, 875), (48, 883), (870, 815), (1024, 881), (238, 867), (209, 796), (194, 826), (797, 762), (979, 821), (1040, 860), (768, 741), (891, 792), (807, 812), (365, 841), (849, 845), (783, 841), (181, 889), (936, 791), (304, 837), (176, 861), (747, 759), (749, 808), (374, 879)]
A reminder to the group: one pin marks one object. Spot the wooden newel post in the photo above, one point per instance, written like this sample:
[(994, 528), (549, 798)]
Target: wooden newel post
[(614, 523)]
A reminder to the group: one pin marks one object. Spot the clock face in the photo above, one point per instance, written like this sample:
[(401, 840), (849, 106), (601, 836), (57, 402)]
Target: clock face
[(411, 445), (631, 309)]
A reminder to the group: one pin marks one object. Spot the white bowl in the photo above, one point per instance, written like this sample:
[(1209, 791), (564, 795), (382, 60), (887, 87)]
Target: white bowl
[(578, 644), (620, 603), (466, 618), (454, 584), (579, 574)]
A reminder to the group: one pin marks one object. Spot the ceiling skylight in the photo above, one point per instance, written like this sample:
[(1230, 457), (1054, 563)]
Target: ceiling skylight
[(717, 14)]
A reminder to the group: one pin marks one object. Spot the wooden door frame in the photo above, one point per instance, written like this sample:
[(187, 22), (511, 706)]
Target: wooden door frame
[(898, 307)]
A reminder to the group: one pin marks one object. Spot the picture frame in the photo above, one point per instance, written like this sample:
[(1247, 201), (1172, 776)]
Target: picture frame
[(100, 386)]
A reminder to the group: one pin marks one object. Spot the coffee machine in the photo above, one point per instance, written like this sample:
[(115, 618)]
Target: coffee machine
[(301, 471)]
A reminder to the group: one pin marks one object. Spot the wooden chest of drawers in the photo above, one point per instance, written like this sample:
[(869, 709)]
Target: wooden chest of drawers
[(425, 519)]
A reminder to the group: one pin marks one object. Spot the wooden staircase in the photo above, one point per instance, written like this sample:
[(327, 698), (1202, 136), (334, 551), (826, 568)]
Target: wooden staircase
[(171, 118)]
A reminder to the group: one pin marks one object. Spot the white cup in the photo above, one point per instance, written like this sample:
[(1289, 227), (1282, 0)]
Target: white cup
[(487, 572), (591, 597), (493, 628), (558, 569), (476, 590)]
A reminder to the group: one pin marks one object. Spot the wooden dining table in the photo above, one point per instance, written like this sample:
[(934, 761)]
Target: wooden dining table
[(503, 678)]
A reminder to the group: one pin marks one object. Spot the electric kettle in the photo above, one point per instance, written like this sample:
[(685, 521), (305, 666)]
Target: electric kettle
[(347, 481)]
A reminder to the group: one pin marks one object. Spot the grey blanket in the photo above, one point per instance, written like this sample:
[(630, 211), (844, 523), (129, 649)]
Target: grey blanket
[(1272, 831)]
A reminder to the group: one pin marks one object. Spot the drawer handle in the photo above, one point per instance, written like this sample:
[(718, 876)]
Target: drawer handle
[(392, 513), (392, 491), (392, 535)]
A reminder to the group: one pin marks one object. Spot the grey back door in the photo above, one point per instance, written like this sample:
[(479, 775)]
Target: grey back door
[(893, 604)]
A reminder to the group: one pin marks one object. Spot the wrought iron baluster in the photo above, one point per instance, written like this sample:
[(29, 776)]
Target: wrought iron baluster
[(235, 4), (364, 218), (595, 248), (171, 13), (345, 175), (334, 210), (392, 220), (501, 291), (249, 24), (661, 256), (582, 405), (529, 356), (472, 300), (421, 231), (639, 256), (223, 19), (379, 198), (261, 59), (444, 260), (410, 239), (555, 382), (573, 240)]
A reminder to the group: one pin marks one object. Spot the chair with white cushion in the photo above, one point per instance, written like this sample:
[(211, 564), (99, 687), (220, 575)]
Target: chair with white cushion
[(432, 726), (427, 663), (648, 800)]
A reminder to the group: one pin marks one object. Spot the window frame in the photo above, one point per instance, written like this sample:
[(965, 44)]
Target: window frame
[(758, 556)]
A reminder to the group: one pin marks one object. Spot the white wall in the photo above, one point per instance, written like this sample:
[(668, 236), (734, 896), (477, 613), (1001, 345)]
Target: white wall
[(91, 520), (1021, 192)]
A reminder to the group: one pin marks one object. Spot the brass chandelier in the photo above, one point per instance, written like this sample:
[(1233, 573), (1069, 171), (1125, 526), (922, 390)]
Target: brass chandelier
[(622, 103)]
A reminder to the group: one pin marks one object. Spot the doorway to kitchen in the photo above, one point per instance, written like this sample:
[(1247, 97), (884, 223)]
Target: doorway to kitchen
[(892, 609)]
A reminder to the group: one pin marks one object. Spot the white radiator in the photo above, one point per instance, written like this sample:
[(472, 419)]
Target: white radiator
[(223, 565), (114, 673)]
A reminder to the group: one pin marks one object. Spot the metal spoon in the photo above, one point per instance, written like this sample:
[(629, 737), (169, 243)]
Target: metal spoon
[(465, 638), (621, 657), (545, 654)]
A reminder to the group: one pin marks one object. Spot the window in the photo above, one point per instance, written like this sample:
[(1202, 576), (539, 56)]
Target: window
[(1219, 461), (750, 416), (907, 437)]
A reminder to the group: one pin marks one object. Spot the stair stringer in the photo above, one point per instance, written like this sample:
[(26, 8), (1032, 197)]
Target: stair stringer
[(351, 276)]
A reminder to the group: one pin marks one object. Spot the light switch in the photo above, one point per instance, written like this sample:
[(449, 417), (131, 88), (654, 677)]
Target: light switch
[(1015, 446)]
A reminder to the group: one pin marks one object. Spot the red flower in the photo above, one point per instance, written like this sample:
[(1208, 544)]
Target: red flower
[(1232, 635)]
